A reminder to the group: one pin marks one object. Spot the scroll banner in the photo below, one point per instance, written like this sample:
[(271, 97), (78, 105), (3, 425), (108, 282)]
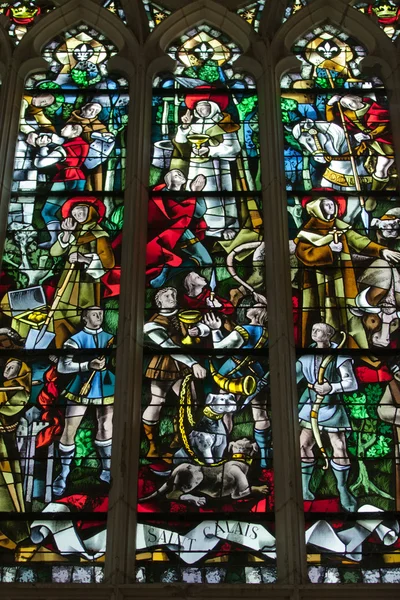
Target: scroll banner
[(202, 539)]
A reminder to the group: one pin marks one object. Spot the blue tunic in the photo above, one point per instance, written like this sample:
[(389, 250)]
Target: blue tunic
[(102, 382)]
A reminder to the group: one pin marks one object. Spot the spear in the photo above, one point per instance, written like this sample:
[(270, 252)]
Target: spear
[(357, 183)]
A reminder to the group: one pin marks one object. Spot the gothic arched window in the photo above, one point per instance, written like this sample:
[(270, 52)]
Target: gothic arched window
[(344, 217), (60, 293), (206, 417)]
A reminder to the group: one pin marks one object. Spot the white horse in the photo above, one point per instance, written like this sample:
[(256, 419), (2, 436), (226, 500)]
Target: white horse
[(326, 142)]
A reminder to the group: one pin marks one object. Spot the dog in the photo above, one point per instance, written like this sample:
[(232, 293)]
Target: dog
[(227, 479), (209, 437)]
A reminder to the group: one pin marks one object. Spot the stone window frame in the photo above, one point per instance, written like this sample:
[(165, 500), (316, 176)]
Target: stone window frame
[(141, 55)]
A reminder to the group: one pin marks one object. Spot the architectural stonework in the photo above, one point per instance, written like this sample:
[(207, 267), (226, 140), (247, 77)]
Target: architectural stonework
[(199, 299)]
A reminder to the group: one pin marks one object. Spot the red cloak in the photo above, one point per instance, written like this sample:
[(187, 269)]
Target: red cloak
[(168, 219)]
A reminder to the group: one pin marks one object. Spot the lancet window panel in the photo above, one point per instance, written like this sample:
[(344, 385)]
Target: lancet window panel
[(206, 448), (60, 293), (343, 210)]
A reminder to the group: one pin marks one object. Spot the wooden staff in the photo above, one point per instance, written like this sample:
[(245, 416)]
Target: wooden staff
[(86, 387), (353, 163)]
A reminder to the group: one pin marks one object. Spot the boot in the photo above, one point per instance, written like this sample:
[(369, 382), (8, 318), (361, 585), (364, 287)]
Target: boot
[(66, 455), (159, 281), (104, 451), (151, 430), (307, 469), (377, 185), (341, 473), (263, 439), (53, 228)]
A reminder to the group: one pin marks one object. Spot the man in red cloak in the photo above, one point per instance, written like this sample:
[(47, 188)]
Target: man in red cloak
[(369, 124), (176, 230)]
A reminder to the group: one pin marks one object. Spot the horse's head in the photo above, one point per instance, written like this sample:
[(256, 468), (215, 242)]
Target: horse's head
[(306, 133), (320, 138)]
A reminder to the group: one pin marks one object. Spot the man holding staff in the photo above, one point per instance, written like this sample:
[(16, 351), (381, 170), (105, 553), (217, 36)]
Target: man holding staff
[(92, 385)]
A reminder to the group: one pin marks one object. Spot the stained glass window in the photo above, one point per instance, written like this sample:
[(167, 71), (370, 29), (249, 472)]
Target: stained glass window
[(386, 12), (252, 13), (22, 14), (293, 6), (155, 13), (115, 7), (59, 298), (206, 450), (344, 210)]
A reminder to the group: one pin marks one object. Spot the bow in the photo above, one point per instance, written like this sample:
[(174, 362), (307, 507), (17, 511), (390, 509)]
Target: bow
[(317, 404)]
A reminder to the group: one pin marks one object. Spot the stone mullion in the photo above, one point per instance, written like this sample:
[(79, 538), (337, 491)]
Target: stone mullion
[(121, 531), (12, 88), (289, 516)]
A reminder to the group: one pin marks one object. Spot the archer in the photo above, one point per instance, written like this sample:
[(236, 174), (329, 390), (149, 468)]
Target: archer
[(325, 379)]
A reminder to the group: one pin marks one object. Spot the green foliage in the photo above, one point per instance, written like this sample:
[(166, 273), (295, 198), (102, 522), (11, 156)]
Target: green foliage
[(159, 113), (322, 82), (166, 427), (116, 220), (84, 445), (247, 105), (380, 448), (291, 141), (111, 313), (190, 72), (81, 77), (209, 72), (67, 111), (117, 217), (154, 176), (356, 405), (288, 105)]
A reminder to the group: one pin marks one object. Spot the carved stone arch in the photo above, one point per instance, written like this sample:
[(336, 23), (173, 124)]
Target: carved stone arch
[(68, 16), (342, 16), (272, 17), (196, 13), (6, 49)]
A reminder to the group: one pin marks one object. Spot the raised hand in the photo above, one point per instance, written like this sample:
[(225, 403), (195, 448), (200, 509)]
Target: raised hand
[(69, 224), (212, 321), (198, 183), (187, 118)]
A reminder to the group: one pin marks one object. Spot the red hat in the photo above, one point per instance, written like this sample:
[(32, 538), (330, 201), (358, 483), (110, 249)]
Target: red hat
[(76, 200), (210, 94), (340, 200)]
